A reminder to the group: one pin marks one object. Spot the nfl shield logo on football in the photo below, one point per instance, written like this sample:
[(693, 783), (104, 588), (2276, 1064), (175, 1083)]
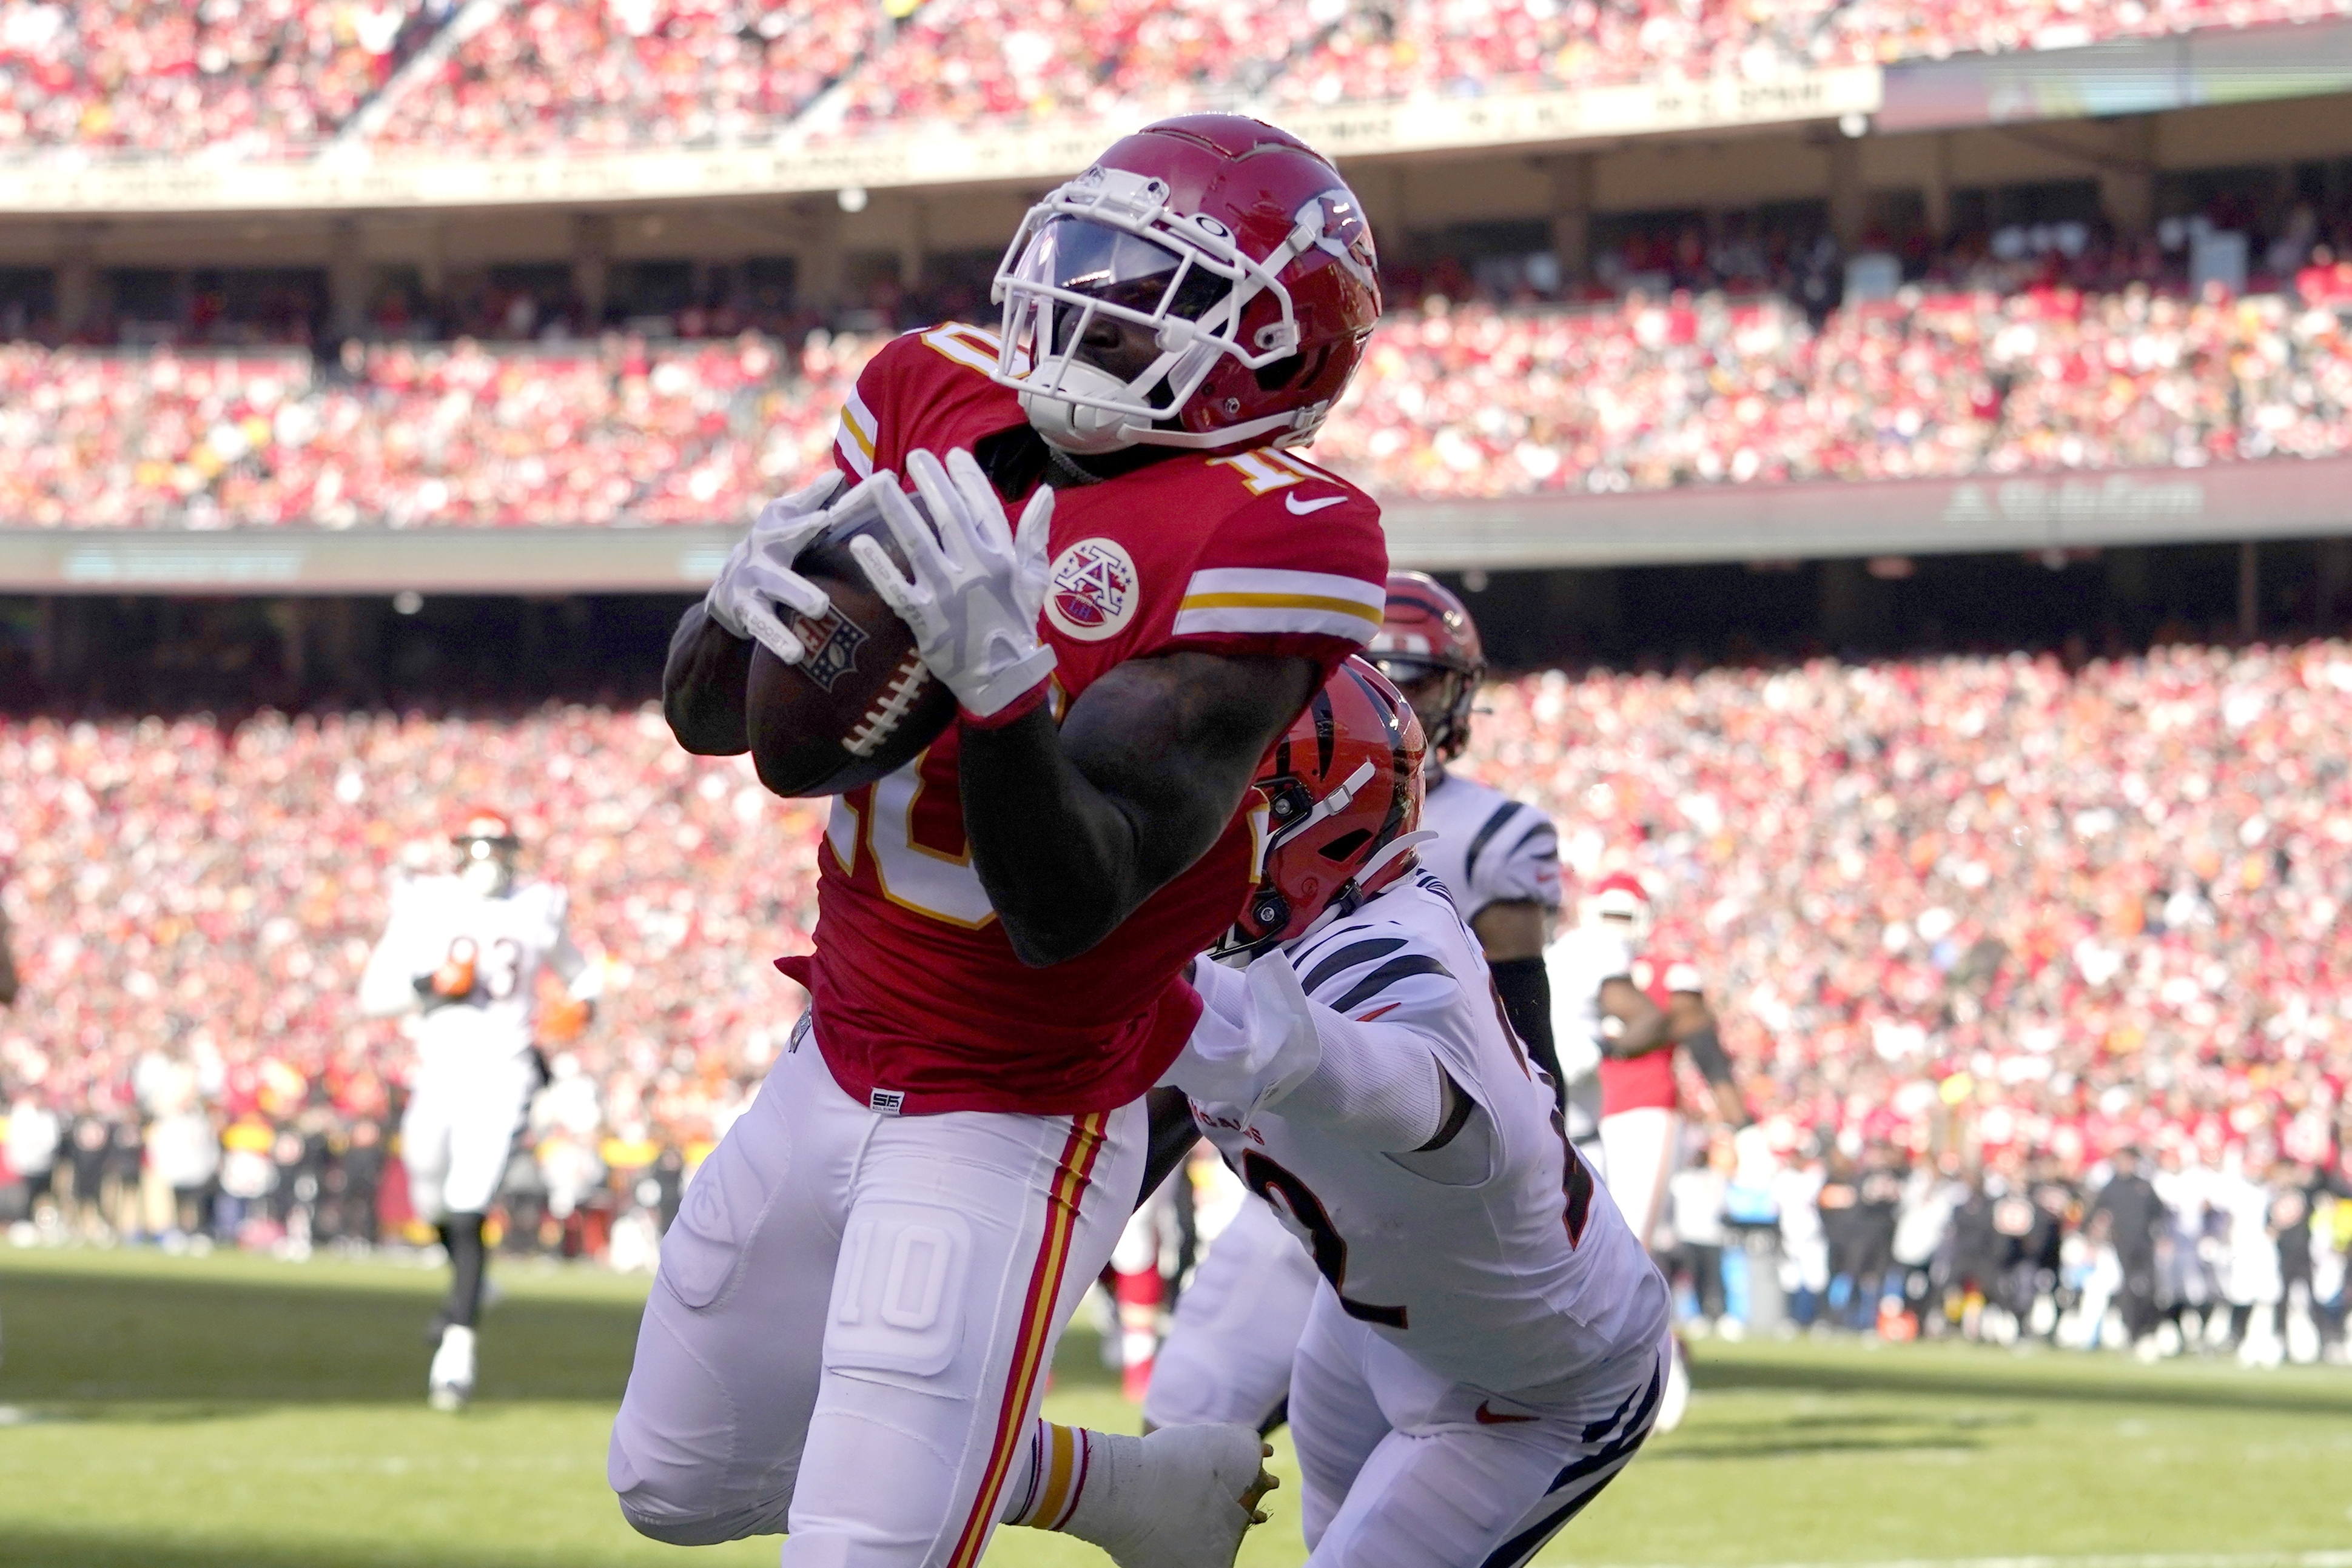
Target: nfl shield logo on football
[(1093, 589), (832, 641)]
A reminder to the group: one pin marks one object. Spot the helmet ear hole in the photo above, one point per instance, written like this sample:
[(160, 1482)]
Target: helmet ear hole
[(1273, 378), (1340, 849)]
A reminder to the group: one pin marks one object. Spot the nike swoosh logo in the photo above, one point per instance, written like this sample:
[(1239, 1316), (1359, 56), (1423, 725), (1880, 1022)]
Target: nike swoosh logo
[(1302, 508), (1489, 1418)]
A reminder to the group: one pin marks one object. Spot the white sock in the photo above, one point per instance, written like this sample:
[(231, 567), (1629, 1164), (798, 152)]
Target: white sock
[(1072, 1479)]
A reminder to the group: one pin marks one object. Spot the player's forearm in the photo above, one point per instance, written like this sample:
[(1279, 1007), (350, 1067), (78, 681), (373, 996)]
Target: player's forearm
[(1376, 1087), (703, 686), (1643, 1024), (1706, 1053)]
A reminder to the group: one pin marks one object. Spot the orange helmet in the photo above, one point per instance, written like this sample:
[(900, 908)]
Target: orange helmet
[(1341, 787), (1427, 631)]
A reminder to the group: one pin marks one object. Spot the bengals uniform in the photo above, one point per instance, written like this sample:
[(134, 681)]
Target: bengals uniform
[(855, 1311), (1486, 1347)]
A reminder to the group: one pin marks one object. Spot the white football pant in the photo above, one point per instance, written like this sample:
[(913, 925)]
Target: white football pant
[(1640, 1146), (850, 1330), (459, 1132), (1402, 1469), (1227, 1354)]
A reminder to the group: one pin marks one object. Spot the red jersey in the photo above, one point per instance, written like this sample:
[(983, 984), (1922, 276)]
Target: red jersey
[(920, 1005), (1647, 1081)]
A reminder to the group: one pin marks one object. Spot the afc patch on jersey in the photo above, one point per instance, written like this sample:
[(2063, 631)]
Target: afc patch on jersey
[(832, 641), (1092, 589)]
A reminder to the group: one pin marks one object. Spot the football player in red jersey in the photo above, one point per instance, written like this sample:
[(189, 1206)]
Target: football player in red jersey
[(1640, 1121), (1641, 1124), (847, 1338)]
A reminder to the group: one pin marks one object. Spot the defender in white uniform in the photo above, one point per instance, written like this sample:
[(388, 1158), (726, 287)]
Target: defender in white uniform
[(1488, 1344), (1227, 1356), (464, 953)]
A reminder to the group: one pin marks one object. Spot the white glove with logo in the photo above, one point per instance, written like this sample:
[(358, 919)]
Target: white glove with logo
[(974, 591), (758, 571)]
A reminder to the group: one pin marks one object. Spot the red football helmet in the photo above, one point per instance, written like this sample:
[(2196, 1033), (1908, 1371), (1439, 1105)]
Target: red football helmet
[(1242, 251), (483, 825), (1621, 900), (1341, 787), (1427, 633)]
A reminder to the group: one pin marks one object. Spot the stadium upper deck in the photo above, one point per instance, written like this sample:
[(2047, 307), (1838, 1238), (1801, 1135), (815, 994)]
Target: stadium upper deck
[(233, 80)]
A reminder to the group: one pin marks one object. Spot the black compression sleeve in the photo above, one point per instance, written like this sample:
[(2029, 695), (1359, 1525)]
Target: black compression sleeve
[(1174, 1133), (1705, 1048), (1526, 990), (462, 1234)]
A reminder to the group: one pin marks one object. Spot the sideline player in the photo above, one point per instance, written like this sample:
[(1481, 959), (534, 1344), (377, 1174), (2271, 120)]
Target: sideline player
[(1488, 1348), (1227, 1354), (1641, 1122), (848, 1335), (465, 951), (1598, 1013)]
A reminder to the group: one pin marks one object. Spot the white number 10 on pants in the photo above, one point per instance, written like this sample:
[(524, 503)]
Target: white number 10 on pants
[(847, 1295)]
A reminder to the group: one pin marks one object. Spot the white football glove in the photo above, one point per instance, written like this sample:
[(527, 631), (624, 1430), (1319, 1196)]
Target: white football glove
[(973, 592), (1255, 1041), (758, 571)]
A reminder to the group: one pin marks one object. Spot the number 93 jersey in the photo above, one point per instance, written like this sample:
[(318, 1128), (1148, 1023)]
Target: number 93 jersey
[(1497, 1261), (921, 1006), (438, 920)]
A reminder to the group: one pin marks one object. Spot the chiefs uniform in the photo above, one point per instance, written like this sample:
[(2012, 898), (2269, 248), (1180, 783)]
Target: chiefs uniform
[(1640, 1119), (853, 1312), (920, 1003)]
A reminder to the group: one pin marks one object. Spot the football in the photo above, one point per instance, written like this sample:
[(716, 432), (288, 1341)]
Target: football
[(860, 704)]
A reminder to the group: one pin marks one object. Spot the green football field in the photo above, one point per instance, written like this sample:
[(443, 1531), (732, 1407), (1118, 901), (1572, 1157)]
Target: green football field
[(240, 1413)]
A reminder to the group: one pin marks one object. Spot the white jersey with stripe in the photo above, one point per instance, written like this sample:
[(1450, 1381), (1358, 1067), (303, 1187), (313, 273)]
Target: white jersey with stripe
[(1490, 849), (438, 920), (1497, 1261)]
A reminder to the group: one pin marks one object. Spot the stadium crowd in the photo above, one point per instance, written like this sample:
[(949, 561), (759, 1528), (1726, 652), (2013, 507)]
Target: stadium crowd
[(275, 78), (227, 79), (1469, 398), (1977, 925)]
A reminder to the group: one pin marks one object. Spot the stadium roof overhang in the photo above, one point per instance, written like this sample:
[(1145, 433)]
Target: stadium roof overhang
[(2282, 498)]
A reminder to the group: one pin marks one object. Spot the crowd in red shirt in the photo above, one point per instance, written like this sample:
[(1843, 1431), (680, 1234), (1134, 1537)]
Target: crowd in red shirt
[(1467, 400), (278, 78), (2069, 910), (1980, 902)]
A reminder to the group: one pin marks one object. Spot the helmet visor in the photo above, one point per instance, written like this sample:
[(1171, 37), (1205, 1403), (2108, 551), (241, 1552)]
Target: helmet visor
[(1120, 269)]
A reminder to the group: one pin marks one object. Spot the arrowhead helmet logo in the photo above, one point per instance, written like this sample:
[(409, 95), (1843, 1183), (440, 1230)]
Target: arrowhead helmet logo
[(1092, 589)]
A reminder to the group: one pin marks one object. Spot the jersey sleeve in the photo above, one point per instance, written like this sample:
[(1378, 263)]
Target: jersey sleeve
[(1514, 858), (928, 387), (1298, 568)]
